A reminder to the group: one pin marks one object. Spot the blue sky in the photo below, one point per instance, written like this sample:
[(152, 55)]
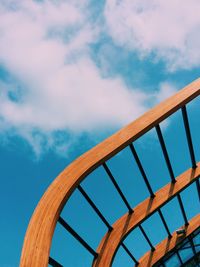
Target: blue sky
[(72, 73)]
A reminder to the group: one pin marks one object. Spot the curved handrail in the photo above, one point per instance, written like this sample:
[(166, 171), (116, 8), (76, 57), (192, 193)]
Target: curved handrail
[(123, 226), (37, 242), (152, 257)]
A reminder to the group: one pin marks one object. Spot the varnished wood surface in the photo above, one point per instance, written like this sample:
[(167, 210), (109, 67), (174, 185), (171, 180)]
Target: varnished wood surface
[(121, 228), (39, 234), (167, 245)]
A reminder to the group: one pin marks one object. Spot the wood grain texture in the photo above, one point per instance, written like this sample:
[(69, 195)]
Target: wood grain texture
[(39, 234), (122, 227), (167, 245)]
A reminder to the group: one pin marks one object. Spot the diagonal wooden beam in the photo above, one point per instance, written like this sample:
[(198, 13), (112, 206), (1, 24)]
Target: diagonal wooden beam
[(167, 245), (37, 242), (122, 227)]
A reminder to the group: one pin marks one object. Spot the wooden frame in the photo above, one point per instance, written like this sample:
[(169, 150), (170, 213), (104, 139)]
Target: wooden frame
[(167, 245), (37, 242), (122, 227)]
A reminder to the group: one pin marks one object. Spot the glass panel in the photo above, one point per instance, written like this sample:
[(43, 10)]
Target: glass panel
[(186, 252), (196, 241), (173, 261)]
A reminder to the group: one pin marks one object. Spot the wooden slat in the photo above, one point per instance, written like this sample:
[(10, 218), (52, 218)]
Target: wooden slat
[(122, 227), (167, 245), (39, 234)]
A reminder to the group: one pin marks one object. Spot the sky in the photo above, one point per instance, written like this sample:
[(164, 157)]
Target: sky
[(71, 74)]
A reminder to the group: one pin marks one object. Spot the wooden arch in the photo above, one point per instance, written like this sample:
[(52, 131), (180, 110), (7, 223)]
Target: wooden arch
[(122, 227), (167, 245), (37, 242)]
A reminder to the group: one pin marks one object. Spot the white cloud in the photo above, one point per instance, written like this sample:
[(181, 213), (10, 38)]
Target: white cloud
[(76, 98), (169, 29), (58, 88), (165, 90)]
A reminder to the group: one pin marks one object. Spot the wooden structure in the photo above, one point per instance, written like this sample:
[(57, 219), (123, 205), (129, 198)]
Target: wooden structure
[(169, 244), (40, 231)]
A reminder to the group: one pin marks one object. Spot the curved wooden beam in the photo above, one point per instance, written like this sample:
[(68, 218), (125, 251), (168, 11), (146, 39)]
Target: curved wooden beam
[(122, 227), (167, 245), (37, 242)]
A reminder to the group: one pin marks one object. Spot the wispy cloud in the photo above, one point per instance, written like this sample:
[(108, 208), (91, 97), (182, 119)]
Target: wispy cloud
[(167, 29), (58, 91)]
